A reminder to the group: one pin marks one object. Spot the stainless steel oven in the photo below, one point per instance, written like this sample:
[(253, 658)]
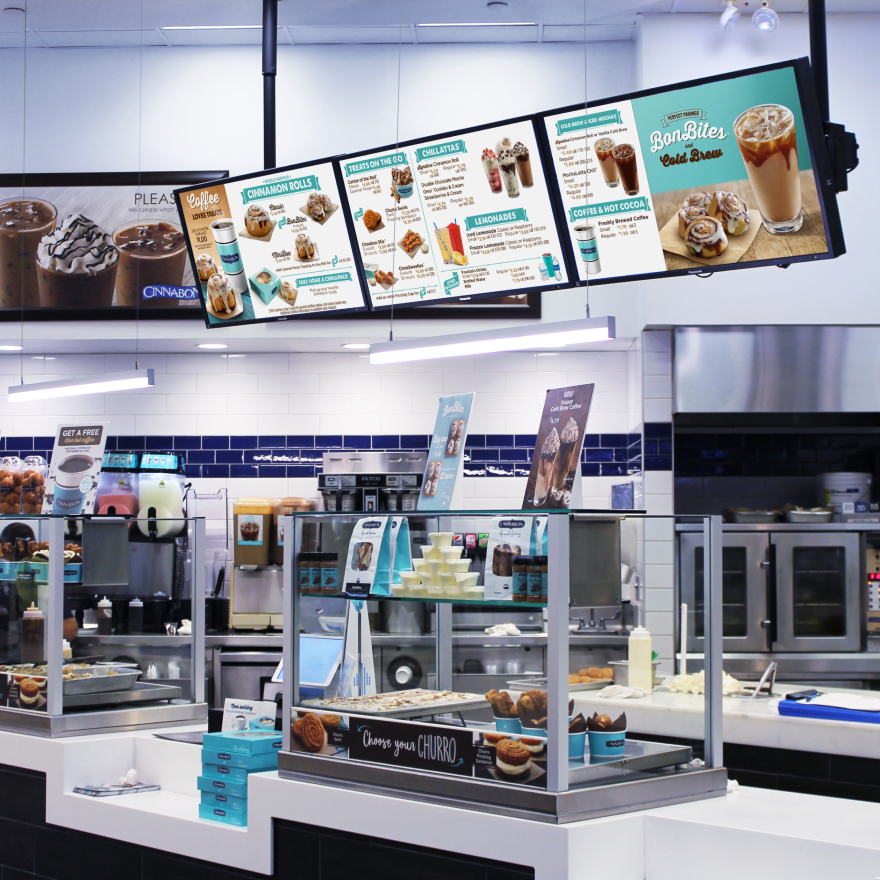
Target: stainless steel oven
[(786, 589)]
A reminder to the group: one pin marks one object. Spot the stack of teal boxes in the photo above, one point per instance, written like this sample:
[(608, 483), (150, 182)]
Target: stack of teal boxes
[(227, 760)]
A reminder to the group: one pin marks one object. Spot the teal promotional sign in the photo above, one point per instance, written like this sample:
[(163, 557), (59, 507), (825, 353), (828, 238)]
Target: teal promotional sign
[(497, 218), (437, 151), (375, 163), (279, 188), (591, 120), (687, 135), (604, 209), (334, 278), (446, 452), (451, 283)]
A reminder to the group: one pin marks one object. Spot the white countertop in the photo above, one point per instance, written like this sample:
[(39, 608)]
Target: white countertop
[(747, 722)]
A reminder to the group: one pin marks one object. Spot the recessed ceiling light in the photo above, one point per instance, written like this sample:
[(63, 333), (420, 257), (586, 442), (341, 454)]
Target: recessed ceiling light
[(548, 354), (357, 345), (42, 357), (11, 348), (232, 355), (212, 345)]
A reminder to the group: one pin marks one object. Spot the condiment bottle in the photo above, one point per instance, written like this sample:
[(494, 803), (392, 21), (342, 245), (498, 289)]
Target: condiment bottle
[(329, 573), (537, 574), (105, 617), (640, 668), (32, 635), (136, 616), (521, 578), (305, 572)]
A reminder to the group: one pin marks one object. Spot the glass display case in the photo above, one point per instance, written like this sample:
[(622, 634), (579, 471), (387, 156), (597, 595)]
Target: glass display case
[(70, 588), (537, 747)]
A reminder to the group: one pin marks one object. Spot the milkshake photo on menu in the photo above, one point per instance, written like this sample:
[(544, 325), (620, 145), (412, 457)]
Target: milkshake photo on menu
[(556, 460)]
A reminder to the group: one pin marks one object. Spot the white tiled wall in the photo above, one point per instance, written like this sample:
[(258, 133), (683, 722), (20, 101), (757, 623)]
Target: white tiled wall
[(659, 534)]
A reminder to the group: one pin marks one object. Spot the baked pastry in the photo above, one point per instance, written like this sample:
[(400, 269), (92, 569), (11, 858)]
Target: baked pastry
[(532, 709), (502, 705), (28, 691), (705, 237), (513, 758), (492, 739), (331, 722), (317, 211), (288, 291), (313, 199), (257, 221), (310, 732), (731, 210), (206, 266), (687, 215), (305, 247), (535, 745), (699, 200), (372, 219), (221, 294), (326, 204)]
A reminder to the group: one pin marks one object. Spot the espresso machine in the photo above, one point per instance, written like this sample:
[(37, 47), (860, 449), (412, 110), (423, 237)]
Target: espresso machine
[(367, 482)]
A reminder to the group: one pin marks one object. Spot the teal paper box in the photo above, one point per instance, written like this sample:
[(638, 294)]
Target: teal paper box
[(222, 786), (265, 284), (241, 760), (252, 742), (220, 814), (225, 802), (221, 771)]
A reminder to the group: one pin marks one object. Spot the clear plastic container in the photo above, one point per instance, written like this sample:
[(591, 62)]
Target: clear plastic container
[(33, 484), (10, 485)]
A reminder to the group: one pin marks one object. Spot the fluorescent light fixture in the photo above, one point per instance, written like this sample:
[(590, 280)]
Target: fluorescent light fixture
[(212, 345), (479, 24), (490, 341), (232, 355), (214, 27), (356, 345), (128, 381), (10, 348)]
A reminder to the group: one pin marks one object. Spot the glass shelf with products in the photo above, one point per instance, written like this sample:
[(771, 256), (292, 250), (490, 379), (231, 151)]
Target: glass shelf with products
[(449, 600)]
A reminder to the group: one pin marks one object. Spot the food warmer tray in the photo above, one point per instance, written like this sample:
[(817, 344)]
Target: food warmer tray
[(540, 684), (141, 692), (637, 756), (100, 682), (474, 702)]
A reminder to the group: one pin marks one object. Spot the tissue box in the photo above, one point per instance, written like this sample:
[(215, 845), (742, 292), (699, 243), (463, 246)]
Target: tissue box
[(221, 771), (266, 290), (251, 763), (222, 786), (221, 814), (251, 742), (225, 802)]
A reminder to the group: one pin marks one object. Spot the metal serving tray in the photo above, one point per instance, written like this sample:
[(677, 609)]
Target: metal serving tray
[(540, 684), (474, 702), (141, 692), (100, 682)]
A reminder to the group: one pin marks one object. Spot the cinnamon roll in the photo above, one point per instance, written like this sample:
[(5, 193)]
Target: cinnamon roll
[(705, 237), (325, 202), (257, 221), (311, 733), (318, 211), (701, 199), (731, 210), (314, 199), (305, 247), (687, 215), (221, 294), (288, 291), (206, 266)]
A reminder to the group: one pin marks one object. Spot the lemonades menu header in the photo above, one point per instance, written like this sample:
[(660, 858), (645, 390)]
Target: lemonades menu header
[(693, 178), (272, 246)]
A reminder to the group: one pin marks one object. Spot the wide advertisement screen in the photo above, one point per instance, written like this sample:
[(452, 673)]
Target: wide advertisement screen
[(698, 177), (458, 216), (271, 246)]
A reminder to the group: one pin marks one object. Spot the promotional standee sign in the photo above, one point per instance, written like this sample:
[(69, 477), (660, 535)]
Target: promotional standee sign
[(446, 454), (556, 461), (690, 178), (77, 457), (248, 714), (81, 242), (271, 246), (468, 215), (412, 745)]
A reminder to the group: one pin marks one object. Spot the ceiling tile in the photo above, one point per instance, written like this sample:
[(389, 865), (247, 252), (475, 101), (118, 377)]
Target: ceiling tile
[(478, 34), (103, 38), (305, 35), (231, 36), (596, 33)]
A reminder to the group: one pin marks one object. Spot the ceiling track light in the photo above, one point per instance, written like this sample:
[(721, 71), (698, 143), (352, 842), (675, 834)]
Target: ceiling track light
[(765, 19), (127, 381), (729, 16)]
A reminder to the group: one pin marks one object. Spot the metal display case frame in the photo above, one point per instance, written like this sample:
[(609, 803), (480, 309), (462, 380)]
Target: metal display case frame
[(648, 774)]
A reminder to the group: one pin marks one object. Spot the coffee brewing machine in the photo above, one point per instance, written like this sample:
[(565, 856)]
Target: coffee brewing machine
[(368, 482)]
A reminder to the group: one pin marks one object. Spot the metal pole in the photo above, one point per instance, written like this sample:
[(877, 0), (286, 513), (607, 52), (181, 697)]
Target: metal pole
[(197, 549), (443, 627), (290, 592), (270, 65), (712, 574), (54, 613), (558, 526), (819, 54)]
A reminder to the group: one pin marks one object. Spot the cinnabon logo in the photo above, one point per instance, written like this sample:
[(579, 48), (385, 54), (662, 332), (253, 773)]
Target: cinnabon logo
[(512, 524)]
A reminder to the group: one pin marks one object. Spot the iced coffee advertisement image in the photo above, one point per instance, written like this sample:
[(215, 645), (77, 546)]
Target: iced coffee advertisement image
[(272, 246), (454, 217), (446, 454), (77, 458)]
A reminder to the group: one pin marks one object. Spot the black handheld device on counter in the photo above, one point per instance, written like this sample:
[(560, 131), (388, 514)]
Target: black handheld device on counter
[(803, 695)]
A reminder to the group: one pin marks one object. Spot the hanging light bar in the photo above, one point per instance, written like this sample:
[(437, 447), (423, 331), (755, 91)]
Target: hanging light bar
[(128, 381), (556, 335)]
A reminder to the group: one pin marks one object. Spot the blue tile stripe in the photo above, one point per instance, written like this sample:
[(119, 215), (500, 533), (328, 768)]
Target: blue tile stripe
[(658, 446), (301, 455)]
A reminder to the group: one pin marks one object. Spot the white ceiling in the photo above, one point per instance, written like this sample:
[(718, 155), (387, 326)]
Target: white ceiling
[(81, 23)]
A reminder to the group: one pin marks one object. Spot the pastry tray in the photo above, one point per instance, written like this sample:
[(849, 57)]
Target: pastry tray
[(142, 692), (540, 684), (474, 701), (100, 682)]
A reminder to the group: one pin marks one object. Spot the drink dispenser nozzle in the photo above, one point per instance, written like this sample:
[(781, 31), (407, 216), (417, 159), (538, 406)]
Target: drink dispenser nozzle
[(151, 520)]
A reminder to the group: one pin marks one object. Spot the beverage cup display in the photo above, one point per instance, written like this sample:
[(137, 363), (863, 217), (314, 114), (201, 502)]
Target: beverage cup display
[(76, 266), (23, 222), (589, 247), (226, 239), (548, 262), (150, 254), (493, 172), (602, 148), (767, 141), (523, 164), (624, 156), (507, 164), (72, 484)]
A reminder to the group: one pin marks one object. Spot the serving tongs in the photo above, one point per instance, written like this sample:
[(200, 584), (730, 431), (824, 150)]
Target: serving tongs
[(768, 679)]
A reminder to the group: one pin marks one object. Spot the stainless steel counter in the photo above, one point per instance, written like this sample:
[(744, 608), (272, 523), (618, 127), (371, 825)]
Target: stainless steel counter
[(785, 527)]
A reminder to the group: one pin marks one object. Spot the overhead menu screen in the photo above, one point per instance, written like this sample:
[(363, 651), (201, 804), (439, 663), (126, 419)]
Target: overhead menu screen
[(271, 247), (459, 216), (694, 178)]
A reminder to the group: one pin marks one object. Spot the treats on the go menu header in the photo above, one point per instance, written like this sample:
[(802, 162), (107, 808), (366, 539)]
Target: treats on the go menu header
[(454, 217), (273, 246)]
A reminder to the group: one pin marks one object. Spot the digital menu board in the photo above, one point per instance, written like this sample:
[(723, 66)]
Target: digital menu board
[(459, 216), (272, 246), (713, 174)]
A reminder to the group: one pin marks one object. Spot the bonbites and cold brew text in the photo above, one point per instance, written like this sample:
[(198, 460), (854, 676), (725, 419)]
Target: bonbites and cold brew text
[(454, 218), (273, 246)]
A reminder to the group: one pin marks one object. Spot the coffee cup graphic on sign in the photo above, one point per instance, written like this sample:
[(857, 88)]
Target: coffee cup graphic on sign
[(72, 483)]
